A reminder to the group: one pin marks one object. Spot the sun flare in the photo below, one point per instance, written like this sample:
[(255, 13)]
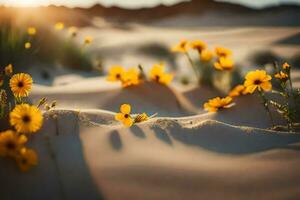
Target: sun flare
[(25, 3)]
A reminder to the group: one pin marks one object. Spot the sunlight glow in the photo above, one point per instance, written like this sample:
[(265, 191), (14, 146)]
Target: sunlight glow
[(131, 3), (26, 3)]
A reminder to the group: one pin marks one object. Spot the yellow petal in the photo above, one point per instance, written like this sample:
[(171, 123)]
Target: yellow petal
[(119, 116), (166, 78), (125, 109), (250, 89), (128, 122), (218, 66), (266, 86)]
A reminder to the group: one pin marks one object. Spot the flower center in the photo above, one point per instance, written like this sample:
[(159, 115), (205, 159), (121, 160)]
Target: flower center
[(118, 76), (20, 84), (126, 115), (24, 161), (10, 145), (26, 119), (157, 77), (257, 82)]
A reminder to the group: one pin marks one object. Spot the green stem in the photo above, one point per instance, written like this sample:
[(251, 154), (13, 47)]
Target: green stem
[(266, 105), (193, 65), (2, 111)]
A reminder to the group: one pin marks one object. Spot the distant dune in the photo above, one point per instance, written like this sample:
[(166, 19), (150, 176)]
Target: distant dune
[(207, 12)]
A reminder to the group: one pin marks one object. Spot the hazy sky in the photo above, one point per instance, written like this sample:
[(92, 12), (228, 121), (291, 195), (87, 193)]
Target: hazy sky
[(130, 3)]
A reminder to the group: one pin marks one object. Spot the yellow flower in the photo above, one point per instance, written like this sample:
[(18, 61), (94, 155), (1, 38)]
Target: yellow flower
[(206, 56), (124, 116), (88, 40), (11, 143), (73, 31), (26, 159), (21, 84), (27, 45), (8, 70), (223, 52), (224, 63), (26, 118), (198, 45), (157, 74), (31, 30), (59, 26), (237, 91), (116, 73), (258, 79), (182, 47), (285, 65), (131, 77), (281, 75), (213, 105)]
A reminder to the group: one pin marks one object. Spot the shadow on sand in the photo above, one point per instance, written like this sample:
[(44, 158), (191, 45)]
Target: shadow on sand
[(62, 172), (225, 139)]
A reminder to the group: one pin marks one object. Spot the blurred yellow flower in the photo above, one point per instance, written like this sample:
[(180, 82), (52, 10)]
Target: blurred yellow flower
[(213, 105), (124, 116), (223, 52), (31, 30), (88, 40), (131, 77), (224, 63), (20, 84), (182, 47), (11, 143), (198, 45), (26, 159), (281, 75), (59, 26), (157, 74), (285, 65), (116, 73), (8, 70), (237, 91), (27, 45), (73, 31), (141, 118), (206, 56), (26, 118), (258, 79)]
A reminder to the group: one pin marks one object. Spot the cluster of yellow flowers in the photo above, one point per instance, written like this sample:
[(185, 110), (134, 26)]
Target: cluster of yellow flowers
[(73, 32), (254, 80), (260, 81), (129, 119), (24, 119), (224, 61), (210, 61), (133, 76)]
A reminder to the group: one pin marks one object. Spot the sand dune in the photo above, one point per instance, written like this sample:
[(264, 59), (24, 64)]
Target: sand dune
[(93, 156), (183, 153), (175, 102), (98, 93)]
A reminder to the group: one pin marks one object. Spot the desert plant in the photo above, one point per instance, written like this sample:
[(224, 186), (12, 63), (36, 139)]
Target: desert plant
[(20, 48), (214, 69)]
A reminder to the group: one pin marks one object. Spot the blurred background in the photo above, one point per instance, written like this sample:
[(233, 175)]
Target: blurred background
[(76, 39)]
